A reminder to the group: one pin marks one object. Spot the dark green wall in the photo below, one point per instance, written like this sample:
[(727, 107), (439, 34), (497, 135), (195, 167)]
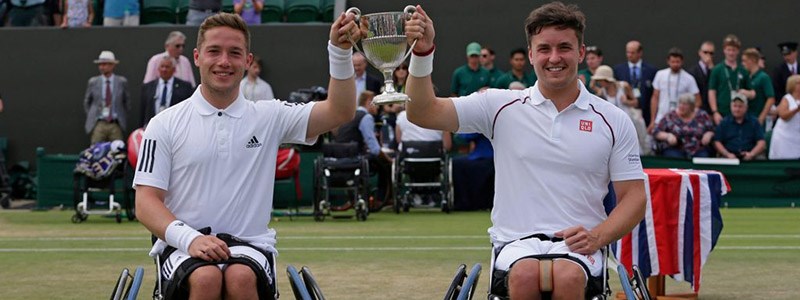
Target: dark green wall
[(43, 72)]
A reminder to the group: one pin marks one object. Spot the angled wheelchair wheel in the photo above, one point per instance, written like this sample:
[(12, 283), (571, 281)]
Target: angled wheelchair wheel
[(625, 282), (133, 289), (119, 287), (298, 287), (311, 284), (639, 284), (452, 291), (468, 288)]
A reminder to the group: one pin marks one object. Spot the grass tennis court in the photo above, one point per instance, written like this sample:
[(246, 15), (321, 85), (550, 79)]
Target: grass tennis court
[(408, 256)]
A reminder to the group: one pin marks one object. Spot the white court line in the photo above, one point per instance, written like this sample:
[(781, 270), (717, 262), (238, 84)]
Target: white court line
[(33, 250)]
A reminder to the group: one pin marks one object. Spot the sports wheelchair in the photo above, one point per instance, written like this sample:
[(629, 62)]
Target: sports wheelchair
[(99, 169), (341, 172), (463, 285), (422, 170), (304, 286)]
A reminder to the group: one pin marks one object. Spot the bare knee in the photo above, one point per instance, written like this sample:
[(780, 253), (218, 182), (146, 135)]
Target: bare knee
[(523, 280), (569, 280), (205, 283), (240, 282)]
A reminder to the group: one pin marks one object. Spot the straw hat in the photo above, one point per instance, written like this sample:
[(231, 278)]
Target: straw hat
[(106, 57), (604, 73)]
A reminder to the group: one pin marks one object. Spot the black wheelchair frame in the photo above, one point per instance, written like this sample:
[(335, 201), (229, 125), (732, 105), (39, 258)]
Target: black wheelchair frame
[(422, 168), (341, 168)]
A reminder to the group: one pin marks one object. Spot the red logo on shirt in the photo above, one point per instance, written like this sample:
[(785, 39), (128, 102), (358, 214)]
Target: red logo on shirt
[(586, 126)]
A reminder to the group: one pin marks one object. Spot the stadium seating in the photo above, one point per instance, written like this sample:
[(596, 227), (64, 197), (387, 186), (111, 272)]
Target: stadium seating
[(158, 12), (181, 10), (326, 10), (227, 6), (299, 11), (272, 12)]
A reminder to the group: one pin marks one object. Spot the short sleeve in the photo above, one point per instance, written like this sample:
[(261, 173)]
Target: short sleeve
[(294, 118), (658, 82), (625, 162), (154, 164), (713, 81), (473, 113), (693, 89), (769, 91)]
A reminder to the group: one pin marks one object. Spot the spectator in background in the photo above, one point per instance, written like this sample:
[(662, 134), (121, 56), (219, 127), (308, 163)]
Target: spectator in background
[(668, 85), (701, 71), (79, 13), (364, 80), (620, 94), (199, 10), (739, 135), (250, 10), (252, 86), (53, 12), (470, 77), (787, 68), (785, 140), (163, 92), (473, 174), (407, 131), (487, 62), (594, 58), (726, 78), (758, 89), (173, 46), (685, 132), (106, 102), (121, 13), (1, 103), (517, 61), (399, 77), (639, 74), (25, 13)]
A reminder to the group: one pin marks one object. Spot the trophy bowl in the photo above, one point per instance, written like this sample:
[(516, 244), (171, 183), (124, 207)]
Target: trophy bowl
[(385, 47)]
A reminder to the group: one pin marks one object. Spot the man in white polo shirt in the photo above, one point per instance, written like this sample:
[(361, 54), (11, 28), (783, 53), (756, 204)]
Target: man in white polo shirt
[(669, 84), (557, 147), (210, 162)]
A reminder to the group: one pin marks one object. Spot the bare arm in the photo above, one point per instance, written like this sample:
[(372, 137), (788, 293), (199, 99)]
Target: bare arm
[(447, 141), (151, 211), (698, 101), (762, 117), (712, 103), (340, 106), (722, 150), (238, 7), (90, 17), (425, 109), (629, 99), (784, 112), (258, 5), (654, 105)]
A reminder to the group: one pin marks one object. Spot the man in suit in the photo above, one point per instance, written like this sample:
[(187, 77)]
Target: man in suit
[(163, 92), (639, 74), (701, 71), (364, 81), (106, 102), (786, 69)]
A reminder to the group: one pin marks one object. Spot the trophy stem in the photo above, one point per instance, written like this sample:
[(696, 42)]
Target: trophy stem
[(389, 95), (388, 81)]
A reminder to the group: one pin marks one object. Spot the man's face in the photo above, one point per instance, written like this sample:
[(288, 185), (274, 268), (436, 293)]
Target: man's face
[(474, 61), (487, 58), (593, 61), (633, 51), (555, 55), (359, 64), (517, 62), (749, 64), (254, 70), (738, 109), (791, 57), (166, 69), (731, 52), (675, 63), (176, 48), (106, 68), (706, 53), (222, 59)]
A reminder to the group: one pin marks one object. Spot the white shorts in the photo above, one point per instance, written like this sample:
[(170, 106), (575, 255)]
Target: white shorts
[(518, 249), (175, 259)]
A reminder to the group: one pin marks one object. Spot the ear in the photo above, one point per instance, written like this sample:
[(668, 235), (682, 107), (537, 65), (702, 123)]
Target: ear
[(582, 53), (196, 55), (249, 60)]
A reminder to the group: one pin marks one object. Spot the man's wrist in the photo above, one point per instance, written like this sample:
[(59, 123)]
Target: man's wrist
[(341, 62), (421, 64), (180, 235)]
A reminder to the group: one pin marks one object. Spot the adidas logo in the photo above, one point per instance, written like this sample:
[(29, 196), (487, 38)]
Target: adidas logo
[(253, 143)]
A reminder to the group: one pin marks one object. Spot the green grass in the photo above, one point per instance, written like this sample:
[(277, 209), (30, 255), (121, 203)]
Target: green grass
[(407, 256)]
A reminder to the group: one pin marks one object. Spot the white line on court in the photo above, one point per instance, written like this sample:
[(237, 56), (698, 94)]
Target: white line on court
[(35, 250)]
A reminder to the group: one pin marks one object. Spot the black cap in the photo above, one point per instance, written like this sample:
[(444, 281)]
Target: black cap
[(787, 47)]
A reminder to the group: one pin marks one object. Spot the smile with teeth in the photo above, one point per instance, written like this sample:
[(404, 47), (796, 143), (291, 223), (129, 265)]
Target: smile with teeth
[(223, 73), (555, 69)]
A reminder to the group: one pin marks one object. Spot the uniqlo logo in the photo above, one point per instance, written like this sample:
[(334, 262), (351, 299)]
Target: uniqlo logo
[(586, 126)]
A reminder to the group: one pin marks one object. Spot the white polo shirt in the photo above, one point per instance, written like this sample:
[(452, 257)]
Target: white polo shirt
[(412, 132), (552, 168), (218, 166), (670, 86)]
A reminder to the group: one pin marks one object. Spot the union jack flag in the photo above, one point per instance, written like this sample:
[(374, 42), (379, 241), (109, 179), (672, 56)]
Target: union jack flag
[(681, 226)]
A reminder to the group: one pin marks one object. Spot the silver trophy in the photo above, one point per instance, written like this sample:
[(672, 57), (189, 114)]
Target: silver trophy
[(385, 47)]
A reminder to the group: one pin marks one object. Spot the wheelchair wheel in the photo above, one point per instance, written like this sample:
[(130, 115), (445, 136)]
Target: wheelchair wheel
[(468, 288), (311, 284), (298, 287), (625, 282), (133, 290), (118, 217), (119, 287), (452, 291)]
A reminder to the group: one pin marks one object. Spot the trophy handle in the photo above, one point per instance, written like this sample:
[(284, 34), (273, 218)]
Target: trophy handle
[(410, 10), (357, 12)]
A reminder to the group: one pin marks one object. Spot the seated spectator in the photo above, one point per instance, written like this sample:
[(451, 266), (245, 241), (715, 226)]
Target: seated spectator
[(685, 132), (399, 77), (253, 87), (407, 131), (473, 175), (121, 13), (620, 94), (739, 135), (79, 13), (785, 141), (250, 10), (24, 13), (387, 122)]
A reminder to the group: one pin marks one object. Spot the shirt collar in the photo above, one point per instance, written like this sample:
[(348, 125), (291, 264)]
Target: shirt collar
[(581, 102), (236, 109), (638, 64)]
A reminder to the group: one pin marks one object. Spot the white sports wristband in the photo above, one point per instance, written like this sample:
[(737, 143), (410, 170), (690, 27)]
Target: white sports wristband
[(180, 235), (421, 66), (341, 62)]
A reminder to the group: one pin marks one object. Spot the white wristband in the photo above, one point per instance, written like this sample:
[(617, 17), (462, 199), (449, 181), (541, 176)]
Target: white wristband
[(421, 66), (180, 235), (341, 62)]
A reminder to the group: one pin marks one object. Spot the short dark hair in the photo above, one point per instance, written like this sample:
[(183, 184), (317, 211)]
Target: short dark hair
[(675, 52), (488, 49), (518, 50), (752, 53), (229, 20), (731, 40), (556, 14)]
